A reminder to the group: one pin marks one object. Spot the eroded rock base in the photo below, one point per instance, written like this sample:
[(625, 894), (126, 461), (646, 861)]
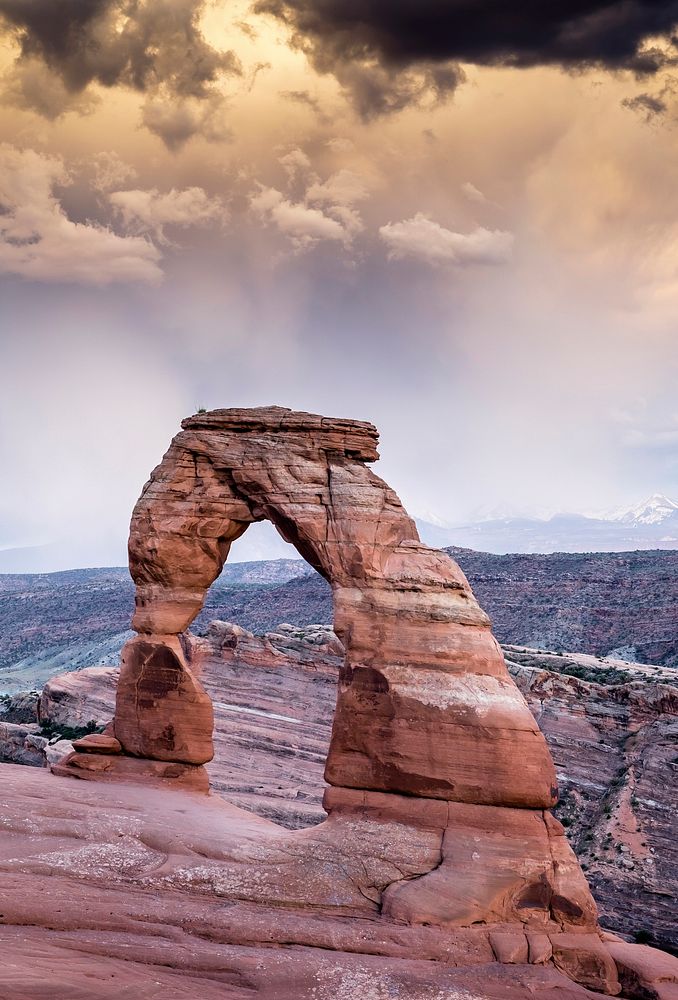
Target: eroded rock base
[(504, 879), (171, 894), (94, 765)]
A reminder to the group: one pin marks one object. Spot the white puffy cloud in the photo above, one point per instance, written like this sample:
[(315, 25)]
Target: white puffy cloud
[(342, 188), (150, 211), (423, 239), (303, 225), (325, 211), (109, 171), (295, 163), (38, 241)]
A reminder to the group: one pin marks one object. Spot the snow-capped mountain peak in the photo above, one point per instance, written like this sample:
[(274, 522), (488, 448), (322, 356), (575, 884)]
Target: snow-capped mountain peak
[(654, 510)]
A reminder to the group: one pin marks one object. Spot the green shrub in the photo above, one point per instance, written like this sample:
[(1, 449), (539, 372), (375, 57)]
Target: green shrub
[(50, 729)]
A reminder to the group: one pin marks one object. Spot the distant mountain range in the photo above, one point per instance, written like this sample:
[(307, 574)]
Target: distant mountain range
[(652, 524)]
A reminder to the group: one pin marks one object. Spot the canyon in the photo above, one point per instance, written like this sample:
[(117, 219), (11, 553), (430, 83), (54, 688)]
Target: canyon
[(620, 604)]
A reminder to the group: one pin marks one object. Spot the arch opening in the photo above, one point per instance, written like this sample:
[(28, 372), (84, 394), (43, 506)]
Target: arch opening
[(264, 650)]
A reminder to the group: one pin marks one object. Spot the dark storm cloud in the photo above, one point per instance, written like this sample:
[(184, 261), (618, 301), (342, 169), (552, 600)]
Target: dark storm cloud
[(652, 106), (649, 106), (384, 41), (144, 44)]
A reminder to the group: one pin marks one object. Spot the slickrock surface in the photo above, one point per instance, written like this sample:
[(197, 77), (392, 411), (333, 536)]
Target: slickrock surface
[(117, 890)]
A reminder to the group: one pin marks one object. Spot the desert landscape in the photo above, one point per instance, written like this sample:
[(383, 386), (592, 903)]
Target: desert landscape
[(380, 788), (339, 503)]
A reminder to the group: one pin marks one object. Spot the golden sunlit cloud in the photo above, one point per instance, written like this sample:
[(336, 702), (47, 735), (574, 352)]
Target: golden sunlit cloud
[(460, 228)]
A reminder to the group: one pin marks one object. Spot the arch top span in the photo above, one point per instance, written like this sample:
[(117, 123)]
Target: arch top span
[(305, 473), (355, 438), (425, 704)]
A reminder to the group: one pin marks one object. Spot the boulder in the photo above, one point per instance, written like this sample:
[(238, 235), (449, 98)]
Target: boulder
[(18, 746), (78, 698)]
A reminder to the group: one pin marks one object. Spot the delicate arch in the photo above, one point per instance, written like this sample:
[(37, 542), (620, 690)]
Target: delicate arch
[(425, 705)]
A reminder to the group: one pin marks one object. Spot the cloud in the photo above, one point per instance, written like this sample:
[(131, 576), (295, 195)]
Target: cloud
[(38, 241), (423, 239), (175, 121), (295, 163), (325, 211), (340, 144), (155, 47), (150, 211), (656, 439), (651, 106), (342, 188), (109, 171), (377, 89), (472, 193), (306, 98), (32, 86), (303, 225), (388, 55)]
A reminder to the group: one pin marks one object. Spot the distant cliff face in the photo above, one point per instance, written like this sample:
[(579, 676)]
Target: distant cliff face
[(588, 603), (581, 602), (614, 746)]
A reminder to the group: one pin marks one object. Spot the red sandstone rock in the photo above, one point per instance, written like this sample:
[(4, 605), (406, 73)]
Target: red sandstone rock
[(155, 773), (509, 948), (425, 703), (166, 894), (79, 697), (584, 958), (539, 948), (97, 743), (274, 699), (496, 865), (645, 973), (162, 711)]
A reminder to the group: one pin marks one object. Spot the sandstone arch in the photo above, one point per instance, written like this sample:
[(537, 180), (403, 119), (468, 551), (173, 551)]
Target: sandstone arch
[(440, 778), (425, 703)]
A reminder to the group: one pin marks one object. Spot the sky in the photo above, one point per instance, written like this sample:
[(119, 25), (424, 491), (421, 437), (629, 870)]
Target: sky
[(458, 222)]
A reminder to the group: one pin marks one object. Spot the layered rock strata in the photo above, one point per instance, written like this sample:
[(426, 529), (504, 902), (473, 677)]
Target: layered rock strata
[(434, 754), (613, 745)]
